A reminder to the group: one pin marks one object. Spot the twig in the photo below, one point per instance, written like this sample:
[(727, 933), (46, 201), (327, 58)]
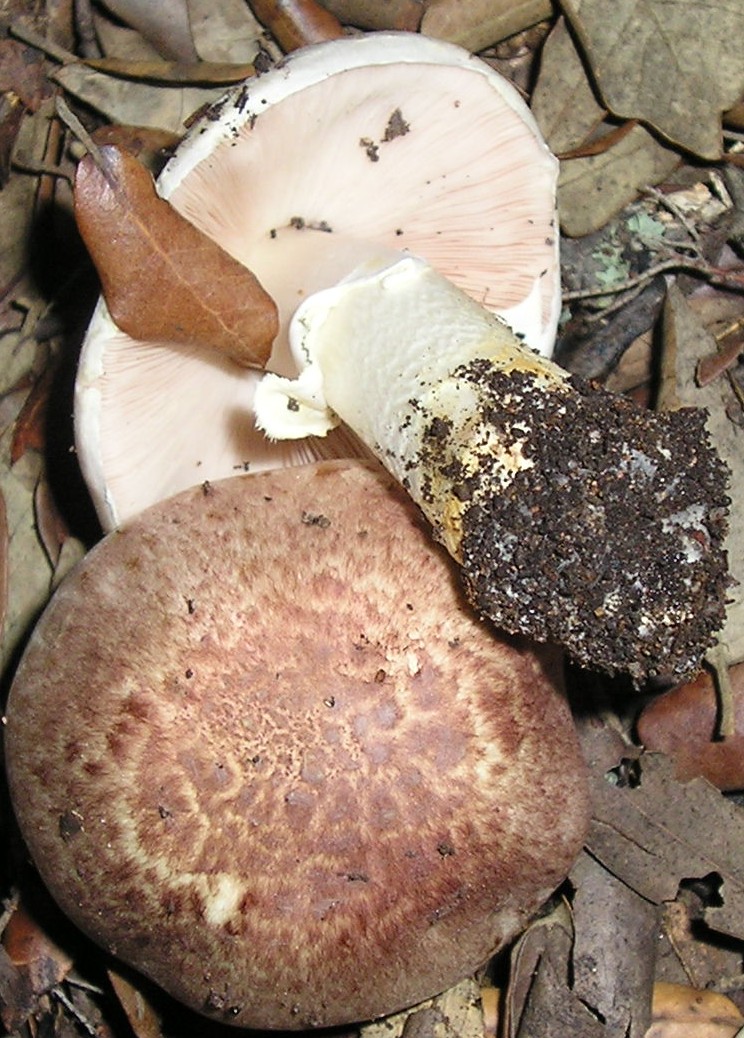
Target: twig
[(77, 129), (34, 39), (72, 1009), (674, 209), (46, 169), (732, 279), (716, 660)]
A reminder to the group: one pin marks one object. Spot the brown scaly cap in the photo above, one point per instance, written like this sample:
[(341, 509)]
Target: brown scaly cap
[(262, 750)]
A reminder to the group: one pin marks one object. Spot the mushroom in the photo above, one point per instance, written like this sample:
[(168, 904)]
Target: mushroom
[(577, 517), (286, 772), (356, 149)]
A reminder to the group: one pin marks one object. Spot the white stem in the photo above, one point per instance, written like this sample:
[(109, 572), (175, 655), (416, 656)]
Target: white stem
[(386, 351)]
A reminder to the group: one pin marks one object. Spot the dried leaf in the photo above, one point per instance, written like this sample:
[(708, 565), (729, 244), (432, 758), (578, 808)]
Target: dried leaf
[(143, 1019), (34, 953), (656, 832), (198, 73), (675, 66), (540, 1000), (563, 101), (404, 15), (683, 723), (297, 23), (695, 955), (224, 32), (616, 931), (683, 1012), (53, 530), (163, 280), (29, 431), (28, 567), (22, 74), (135, 103), (456, 1013), (592, 189), (165, 25), (476, 24)]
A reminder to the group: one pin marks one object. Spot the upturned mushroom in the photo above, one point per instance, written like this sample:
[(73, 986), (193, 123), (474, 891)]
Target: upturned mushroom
[(355, 149), (285, 771), (576, 517)]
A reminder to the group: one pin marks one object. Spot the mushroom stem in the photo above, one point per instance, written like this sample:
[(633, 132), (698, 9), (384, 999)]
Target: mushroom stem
[(576, 517)]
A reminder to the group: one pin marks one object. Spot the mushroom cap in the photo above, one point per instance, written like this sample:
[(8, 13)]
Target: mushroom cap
[(351, 150), (285, 772)]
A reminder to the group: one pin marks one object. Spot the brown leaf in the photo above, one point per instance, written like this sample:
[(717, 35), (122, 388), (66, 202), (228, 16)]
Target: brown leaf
[(142, 1017), (683, 1012), (616, 931), (675, 66), (164, 25), (221, 73), (540, 999), (682, 723), (162, 278), (34, 953), (653, 832), (297, 23), (29, 430), (476, 24), (371, 14)]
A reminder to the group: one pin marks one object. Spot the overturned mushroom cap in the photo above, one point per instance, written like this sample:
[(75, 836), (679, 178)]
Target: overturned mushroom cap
[(284, 771), (355, 149)]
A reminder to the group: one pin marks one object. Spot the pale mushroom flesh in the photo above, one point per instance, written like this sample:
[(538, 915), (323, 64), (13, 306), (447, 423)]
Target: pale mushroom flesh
[(356, 149)]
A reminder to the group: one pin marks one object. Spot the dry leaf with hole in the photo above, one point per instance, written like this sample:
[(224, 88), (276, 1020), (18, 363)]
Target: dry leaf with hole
[(162, 279), (654, 832), (675, 66)]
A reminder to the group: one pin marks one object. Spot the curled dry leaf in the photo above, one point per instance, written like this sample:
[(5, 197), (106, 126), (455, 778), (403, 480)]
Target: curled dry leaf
[(164, 25), (162, 279), (297, 23), (32, 951), (683, 724), (683, 1012), (404, 15), (142, 1017)]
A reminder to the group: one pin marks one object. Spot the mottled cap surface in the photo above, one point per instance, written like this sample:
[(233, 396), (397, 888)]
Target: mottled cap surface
[(262, 750)]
